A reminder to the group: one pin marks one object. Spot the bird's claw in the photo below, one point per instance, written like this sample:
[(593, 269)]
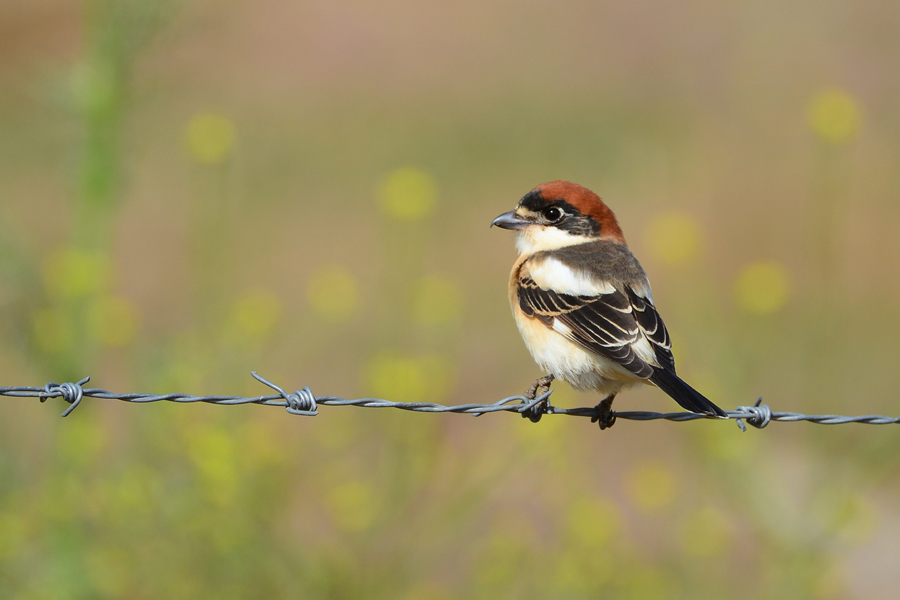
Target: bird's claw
[(538, 388), (605, 415)]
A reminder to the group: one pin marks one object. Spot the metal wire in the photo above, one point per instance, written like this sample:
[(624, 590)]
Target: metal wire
[(303, 402)]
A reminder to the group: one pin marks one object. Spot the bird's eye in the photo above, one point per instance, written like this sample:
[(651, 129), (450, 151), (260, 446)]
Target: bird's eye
[(553, 214)]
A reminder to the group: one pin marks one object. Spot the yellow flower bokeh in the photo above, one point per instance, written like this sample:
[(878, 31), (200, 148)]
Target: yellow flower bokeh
[(834, 115), (209, 138), (333, 293), (674, 238), (408, 194), (401, 378), (73, 273), (762, 288)]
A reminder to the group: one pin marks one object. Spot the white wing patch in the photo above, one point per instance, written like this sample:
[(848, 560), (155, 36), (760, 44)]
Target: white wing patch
[(644, 350), (560, 327), (551, 274)]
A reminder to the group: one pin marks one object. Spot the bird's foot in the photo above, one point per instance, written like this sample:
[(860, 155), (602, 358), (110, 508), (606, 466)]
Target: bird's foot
[(538, 388), (605, 415)]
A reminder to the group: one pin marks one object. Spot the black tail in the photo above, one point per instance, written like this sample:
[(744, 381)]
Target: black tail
[(684, 394)]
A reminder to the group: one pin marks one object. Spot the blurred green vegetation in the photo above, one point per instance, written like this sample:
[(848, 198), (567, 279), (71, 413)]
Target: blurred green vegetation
[(189, 192)]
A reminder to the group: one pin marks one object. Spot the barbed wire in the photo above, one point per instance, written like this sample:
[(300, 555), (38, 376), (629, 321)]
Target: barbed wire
[(304, 403)]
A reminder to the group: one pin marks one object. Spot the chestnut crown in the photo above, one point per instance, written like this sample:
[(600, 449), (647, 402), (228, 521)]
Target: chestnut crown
[(571, 208)]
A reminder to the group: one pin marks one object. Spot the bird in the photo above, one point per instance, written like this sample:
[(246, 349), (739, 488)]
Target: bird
[(583, 303)]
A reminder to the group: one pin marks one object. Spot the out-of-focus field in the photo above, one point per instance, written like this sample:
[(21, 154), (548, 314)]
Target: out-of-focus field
[(193, 190)]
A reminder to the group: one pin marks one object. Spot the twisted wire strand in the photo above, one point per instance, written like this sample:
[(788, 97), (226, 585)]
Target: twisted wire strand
[(304, 403)]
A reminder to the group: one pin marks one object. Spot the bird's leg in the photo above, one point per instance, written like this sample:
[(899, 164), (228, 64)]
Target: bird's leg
[(542, 383), (539, 387), (605, 415)]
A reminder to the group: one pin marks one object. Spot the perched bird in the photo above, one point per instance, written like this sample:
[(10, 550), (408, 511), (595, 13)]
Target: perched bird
[(583, 303)]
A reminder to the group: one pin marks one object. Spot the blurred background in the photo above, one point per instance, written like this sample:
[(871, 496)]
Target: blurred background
[(190, 190)]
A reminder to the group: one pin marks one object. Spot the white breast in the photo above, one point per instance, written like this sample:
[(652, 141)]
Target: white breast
[(568, 361)]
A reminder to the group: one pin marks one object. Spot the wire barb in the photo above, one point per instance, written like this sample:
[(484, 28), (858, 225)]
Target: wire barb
[(532, 405), (301, 402), (760, 415), (70, 392)]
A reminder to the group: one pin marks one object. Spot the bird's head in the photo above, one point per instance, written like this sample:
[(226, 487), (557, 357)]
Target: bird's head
[(559, 214)]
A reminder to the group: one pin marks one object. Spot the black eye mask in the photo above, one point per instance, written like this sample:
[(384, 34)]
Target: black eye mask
[(573, 222)]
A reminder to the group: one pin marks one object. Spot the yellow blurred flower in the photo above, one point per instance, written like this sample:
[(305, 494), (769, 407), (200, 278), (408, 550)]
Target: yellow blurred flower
[(706, 532), (352, 506), (674, 238), (651, 486), (255, 314), (393, 376), (333, 293), (113, 321), (408, 194), (436, 301), (209, 138), (73, 273), (834, 115), (53, 332), (762, 288)]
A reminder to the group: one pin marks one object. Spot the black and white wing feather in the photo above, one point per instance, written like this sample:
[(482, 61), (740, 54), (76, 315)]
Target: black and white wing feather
[(653, 328), (612, 325), (607, 324)]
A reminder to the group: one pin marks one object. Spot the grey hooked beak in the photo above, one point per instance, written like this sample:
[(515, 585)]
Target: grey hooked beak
[(510, 220)]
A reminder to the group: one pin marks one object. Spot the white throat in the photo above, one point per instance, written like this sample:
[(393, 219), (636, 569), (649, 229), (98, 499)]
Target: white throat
[(538, 238)]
